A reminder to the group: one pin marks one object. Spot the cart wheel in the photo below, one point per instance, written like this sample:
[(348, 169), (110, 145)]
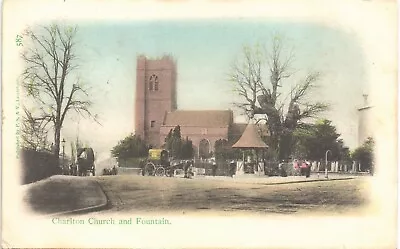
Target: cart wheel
[(160, 171), (149, 169)]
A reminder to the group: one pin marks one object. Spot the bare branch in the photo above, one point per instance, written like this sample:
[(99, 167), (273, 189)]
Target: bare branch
[(265, 100), (311, 110), (305, 87), (47, 77)]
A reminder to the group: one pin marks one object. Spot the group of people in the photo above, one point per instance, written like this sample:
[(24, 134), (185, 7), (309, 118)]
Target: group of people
[(304, 166)]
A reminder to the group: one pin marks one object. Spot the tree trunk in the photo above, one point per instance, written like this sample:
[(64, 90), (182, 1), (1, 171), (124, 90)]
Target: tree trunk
[(57, 135), (285, 146)]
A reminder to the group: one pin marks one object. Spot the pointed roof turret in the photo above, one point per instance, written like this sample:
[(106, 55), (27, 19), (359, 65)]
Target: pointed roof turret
[(250, 138)]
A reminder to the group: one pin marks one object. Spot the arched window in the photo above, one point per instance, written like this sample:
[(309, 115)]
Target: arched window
[(156, 85), (153, 83)]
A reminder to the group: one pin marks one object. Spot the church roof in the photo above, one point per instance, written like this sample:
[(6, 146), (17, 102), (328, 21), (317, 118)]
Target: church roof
[(250, 138), (199, 118), (237, 129)]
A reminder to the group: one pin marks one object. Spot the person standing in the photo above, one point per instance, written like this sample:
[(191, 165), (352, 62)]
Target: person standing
[(232, 168), (214, 167), (296, 166), (190, 172), (185, 168), (282, 171), (308, 168)]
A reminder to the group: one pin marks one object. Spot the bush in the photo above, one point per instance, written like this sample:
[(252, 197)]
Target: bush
[(131, 162)]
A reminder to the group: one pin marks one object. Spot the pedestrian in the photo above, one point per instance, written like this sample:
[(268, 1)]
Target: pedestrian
[(232, 168), (186, 168), (296, 166), (282, 170), (303, 168), (114, 170), (308, 169), (214, 167), (72, 168), (142, 166), (190, 169)]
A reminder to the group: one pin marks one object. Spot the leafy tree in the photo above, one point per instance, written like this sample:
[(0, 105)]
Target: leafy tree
[(344, 152), (173, 142), (365, 155), (49, 78), (313, 140), (257, 81), (130, 147), (187, 150), (178, 148), (221, 149)]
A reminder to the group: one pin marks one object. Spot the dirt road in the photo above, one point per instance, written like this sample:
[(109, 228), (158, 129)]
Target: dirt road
[(128, 193)]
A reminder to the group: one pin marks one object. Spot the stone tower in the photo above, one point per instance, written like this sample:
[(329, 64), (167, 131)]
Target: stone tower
[(155, 96), (365, 121)]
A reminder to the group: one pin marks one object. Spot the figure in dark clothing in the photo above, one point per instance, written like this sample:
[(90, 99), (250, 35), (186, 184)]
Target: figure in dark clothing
[(190, 172), (186, 168), (232, 168), (282, 171), (171, 170), (142, 165), (308, 169), (214, 168), (305, 169), (114, 170), (72, 169)]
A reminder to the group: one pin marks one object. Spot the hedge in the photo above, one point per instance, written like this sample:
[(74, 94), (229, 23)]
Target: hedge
[(37, 165)]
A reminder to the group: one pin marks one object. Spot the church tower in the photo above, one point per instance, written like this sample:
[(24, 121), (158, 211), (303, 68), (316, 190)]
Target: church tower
[(155, 96)]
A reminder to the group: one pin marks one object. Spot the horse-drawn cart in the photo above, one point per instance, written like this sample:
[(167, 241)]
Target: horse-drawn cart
[(158, 163), (84, 165)]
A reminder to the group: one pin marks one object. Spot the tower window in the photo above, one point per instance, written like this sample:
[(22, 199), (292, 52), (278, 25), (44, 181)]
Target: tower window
[(153, 83), (152, 123)]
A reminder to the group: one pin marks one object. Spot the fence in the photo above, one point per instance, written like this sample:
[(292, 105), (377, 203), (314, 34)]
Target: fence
[(271, 168), (334, 167), (205, 168)]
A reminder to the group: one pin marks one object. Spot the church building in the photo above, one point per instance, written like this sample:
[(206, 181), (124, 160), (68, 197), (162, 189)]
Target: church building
[(156, 110)]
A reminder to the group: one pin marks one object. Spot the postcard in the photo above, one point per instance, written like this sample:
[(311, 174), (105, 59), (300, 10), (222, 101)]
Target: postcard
[(199, 124)]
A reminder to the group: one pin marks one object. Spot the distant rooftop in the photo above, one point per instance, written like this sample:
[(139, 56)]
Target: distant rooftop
[(163, 57), (199, 118)]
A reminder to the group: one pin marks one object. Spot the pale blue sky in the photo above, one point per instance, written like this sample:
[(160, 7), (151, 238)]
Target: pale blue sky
[(204, 51)]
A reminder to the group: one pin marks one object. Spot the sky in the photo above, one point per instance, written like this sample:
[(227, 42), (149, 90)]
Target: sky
[(205, 51)]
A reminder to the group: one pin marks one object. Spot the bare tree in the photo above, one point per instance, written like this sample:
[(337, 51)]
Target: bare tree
[(34, 132), (49, 77), (257, 81)]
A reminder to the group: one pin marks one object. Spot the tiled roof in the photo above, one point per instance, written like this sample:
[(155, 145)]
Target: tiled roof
[(250, 138), (212, 118)]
